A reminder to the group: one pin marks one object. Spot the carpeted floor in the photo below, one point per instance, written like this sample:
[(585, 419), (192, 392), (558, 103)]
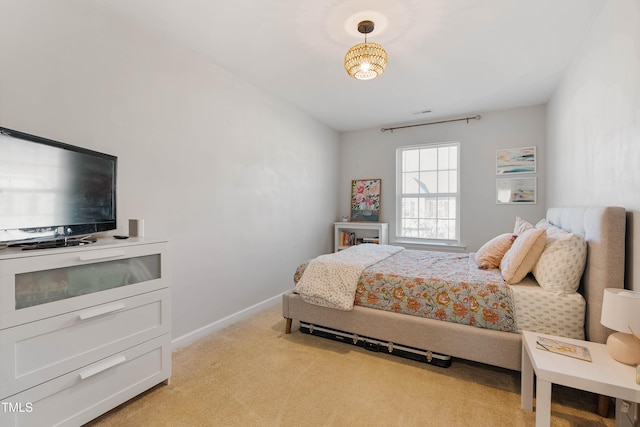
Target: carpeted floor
[(252, 374)]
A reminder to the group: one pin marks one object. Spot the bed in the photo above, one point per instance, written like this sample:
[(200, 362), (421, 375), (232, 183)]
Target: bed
[(603, 231)]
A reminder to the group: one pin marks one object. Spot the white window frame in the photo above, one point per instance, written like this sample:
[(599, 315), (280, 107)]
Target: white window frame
[(399, 196)]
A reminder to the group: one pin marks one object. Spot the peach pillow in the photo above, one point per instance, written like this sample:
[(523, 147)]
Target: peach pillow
[(491, 253), (523, 255)]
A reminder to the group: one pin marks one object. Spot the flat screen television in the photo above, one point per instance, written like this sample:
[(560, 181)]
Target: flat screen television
[(52, 193)]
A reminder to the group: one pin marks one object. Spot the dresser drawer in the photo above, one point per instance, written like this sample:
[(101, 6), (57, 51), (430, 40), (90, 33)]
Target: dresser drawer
[(34, 287), (78, 397), (38, 351)]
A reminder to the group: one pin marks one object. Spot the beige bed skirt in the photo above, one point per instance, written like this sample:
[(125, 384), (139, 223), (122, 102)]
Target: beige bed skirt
[(466, 342)]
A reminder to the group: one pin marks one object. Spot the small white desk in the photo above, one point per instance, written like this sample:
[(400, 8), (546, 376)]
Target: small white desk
[(602, 375)]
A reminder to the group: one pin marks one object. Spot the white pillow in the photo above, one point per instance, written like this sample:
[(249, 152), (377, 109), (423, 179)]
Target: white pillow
[(543, 223), (562, 261), (521, 226)]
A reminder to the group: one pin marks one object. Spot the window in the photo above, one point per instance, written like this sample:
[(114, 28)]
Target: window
[(427, 193)]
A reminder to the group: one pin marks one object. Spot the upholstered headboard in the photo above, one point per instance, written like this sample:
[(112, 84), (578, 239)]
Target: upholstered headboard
[(604, 231)]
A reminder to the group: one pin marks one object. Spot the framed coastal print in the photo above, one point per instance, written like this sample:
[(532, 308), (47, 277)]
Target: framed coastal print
[(365, 199), (516, 190), (516, 160)]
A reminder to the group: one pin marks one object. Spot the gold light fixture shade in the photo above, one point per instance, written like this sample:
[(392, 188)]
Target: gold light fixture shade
[(365, 61)]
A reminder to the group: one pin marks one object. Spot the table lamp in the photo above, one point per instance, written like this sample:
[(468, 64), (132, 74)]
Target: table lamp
[(621, 312)]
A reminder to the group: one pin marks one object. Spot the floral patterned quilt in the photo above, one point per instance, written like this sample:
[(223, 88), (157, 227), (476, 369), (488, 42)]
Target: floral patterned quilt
[(437, 285)]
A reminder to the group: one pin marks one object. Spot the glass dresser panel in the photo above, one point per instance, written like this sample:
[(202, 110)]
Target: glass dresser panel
[(41, 287)]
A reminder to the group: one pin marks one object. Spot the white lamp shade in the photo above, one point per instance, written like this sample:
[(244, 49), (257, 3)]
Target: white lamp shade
[(621, 310)]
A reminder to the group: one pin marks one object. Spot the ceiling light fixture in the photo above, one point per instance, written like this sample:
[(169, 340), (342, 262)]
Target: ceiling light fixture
[(365, 61)]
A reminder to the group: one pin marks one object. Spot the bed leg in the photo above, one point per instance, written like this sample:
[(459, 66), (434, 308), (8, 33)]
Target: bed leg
[(603, 406), (287, 328)]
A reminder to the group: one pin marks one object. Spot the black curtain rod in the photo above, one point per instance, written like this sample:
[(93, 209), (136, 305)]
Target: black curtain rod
[(431, 123)]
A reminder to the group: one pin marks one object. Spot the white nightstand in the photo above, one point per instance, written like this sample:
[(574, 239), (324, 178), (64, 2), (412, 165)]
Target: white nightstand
[(602, 375)]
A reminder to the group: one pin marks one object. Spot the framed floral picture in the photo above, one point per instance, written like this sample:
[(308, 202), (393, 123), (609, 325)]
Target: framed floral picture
[(365, 200)]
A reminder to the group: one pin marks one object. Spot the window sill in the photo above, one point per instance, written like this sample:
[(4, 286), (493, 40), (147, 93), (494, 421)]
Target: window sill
[(448, 247)]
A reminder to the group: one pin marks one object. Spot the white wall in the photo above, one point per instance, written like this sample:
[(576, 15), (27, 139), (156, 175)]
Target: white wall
[(371, 154), (593, 121), (241, 183)]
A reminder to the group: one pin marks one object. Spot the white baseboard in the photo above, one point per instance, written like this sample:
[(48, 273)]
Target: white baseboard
[(199, 333)]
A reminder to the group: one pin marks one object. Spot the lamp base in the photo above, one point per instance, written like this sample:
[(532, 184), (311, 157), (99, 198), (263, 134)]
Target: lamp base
[(624, 348)]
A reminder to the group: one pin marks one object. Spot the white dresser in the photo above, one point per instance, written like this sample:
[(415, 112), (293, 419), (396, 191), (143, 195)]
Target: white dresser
[(82, 329)]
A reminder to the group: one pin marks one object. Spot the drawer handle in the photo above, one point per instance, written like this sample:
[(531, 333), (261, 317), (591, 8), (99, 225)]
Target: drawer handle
[(102, 367), (101, 255), (100, 311)]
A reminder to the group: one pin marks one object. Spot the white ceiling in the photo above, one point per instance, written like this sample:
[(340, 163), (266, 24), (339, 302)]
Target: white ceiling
[(453, 57)]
